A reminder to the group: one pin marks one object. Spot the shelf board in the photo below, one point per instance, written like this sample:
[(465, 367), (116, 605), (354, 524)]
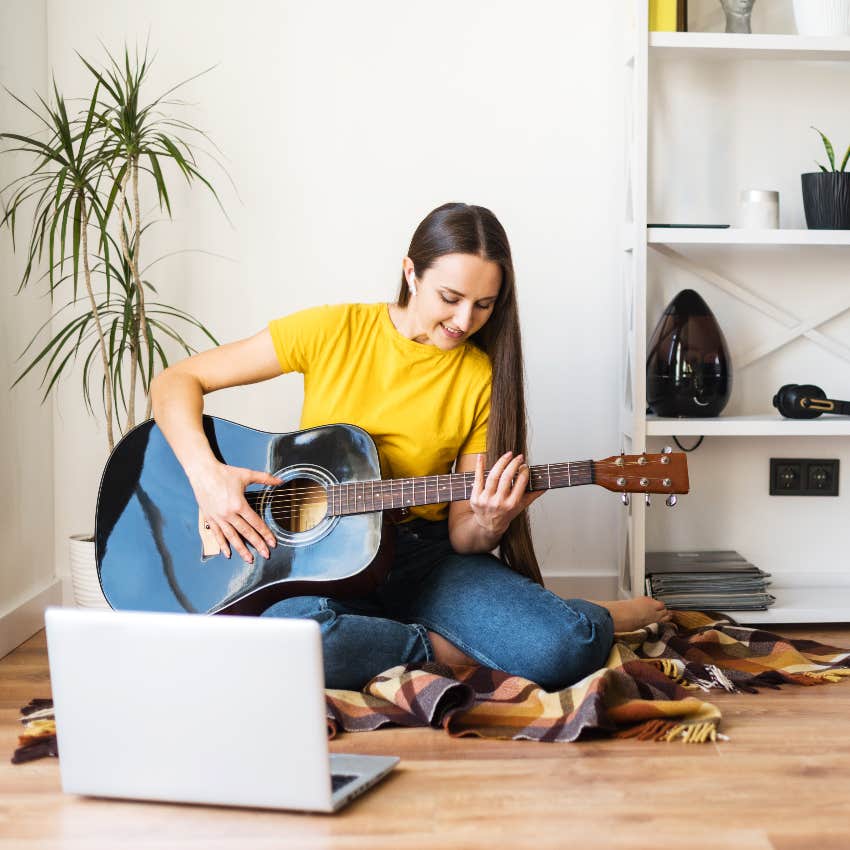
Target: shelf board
[(725, 46), (801, 604), (736, 236), (763, 425)]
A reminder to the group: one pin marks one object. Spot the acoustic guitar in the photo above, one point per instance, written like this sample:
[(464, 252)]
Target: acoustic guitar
[(328, 514)]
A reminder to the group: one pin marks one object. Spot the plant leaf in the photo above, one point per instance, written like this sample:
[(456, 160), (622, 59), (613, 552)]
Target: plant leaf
[(161, 189), (829, 151), (78, 226)]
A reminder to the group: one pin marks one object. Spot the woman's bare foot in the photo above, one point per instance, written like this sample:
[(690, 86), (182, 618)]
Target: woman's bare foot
[(632, 614), (447, 653)]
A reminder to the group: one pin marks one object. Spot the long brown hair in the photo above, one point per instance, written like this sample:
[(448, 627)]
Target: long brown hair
[(465, 229)]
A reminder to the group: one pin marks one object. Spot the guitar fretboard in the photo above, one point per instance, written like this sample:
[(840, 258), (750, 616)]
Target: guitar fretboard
[(357, 497)]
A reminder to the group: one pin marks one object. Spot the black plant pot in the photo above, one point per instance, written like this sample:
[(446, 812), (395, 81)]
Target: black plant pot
[(688, 370), (826, 200)]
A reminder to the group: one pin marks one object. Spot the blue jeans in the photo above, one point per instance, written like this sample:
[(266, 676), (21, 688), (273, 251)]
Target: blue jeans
[(496, 616)]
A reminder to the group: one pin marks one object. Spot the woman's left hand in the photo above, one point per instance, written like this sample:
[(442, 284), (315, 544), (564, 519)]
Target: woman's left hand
[(503, 496)]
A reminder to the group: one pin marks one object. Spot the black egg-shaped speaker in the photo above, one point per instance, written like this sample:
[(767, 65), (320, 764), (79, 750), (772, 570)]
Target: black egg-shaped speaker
[(688, 371)]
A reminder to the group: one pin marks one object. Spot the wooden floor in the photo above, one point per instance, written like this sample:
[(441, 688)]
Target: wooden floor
[(782, 782)]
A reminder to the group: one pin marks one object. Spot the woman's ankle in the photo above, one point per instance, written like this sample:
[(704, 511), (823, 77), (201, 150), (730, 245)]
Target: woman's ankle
[(631, 614)]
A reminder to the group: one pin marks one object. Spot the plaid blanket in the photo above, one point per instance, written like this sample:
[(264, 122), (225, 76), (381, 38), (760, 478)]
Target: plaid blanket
[(645, 690), (39, 736)]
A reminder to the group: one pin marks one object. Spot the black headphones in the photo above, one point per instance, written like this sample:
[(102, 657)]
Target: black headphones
[(806, 401)]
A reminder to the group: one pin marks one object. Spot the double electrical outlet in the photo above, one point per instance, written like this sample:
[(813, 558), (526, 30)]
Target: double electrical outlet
[(793, 476)]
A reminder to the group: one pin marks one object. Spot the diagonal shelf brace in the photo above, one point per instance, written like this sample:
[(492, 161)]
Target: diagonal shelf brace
[(795, 327), (802, 329)]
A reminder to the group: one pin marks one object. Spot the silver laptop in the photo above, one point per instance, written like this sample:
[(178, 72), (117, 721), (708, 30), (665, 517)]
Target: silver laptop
[(197, 709)]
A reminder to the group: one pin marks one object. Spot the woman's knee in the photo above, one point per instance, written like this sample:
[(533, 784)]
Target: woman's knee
[(569, 654), (301, 607)]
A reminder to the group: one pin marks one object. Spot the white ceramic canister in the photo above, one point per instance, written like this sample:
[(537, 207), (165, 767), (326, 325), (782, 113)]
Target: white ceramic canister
[(758, 209), (84, 581), (822, 17)]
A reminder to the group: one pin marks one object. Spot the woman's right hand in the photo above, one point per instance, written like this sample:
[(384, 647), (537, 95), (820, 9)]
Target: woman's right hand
[(220, 493)]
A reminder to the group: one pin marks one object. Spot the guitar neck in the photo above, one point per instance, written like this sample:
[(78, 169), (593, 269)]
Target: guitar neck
[(357, 497)]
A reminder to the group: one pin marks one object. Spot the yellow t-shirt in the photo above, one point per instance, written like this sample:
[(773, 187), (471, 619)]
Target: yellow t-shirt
[(424, 407)]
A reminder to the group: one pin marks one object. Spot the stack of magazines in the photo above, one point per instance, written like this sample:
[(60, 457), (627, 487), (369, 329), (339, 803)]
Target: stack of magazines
[(707, 579)]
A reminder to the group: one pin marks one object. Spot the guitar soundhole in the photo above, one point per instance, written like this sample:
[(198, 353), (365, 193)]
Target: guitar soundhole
[(299, 505)]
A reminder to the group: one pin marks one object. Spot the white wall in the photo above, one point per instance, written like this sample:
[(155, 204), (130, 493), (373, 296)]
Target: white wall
[(344, 125), (26, 439)]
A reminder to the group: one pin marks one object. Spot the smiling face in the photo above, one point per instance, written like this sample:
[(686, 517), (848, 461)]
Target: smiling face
[(454, 299)]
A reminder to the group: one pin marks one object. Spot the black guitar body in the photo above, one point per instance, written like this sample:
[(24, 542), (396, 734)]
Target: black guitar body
[(148, 538)]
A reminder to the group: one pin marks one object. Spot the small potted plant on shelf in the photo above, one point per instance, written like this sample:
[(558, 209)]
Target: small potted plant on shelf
[(826, 193), (88, 177)]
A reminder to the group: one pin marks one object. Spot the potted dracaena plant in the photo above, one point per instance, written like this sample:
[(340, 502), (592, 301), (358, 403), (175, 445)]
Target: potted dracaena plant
[(90, 173), (826, 193)]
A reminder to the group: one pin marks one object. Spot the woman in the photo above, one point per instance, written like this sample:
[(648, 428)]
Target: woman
[(437, 379)]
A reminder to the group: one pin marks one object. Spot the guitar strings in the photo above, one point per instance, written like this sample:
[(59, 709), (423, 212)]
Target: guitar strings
[(426, 481), (386, 487), (538, 471), (313, 497), (465, 475), (317, 495)]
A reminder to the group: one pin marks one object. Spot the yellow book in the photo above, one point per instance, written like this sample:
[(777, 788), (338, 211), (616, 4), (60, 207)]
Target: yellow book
[(665, 15)]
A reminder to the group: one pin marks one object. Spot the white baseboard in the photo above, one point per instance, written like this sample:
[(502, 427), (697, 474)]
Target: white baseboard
[(24, 618), (597, 587)]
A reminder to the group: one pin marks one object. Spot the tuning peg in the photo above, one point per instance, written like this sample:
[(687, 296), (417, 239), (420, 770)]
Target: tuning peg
[(671, 500), (647, 499), (625, 499), (667, 450)]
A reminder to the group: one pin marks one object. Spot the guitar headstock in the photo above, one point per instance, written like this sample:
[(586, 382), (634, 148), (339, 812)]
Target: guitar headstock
[(665, 473)]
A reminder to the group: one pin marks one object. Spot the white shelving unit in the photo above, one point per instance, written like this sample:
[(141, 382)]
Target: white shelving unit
[(724, 46), (767, 425), (814, 598), (734, 236)]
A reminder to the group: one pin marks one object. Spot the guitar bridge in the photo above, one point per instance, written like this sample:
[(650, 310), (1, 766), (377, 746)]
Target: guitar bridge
[(209, 545)]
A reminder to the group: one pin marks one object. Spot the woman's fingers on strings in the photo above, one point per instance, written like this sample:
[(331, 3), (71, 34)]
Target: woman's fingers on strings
[(234, 534), (267, 539), (523, 496), (250, 534), (495, 476), (248, 522), (256, 477), (511, 486), (249, 528), (478, 483), (228, 537)]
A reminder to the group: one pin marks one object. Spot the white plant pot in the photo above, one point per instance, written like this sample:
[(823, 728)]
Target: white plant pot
[(822, 17), (86, 587)]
